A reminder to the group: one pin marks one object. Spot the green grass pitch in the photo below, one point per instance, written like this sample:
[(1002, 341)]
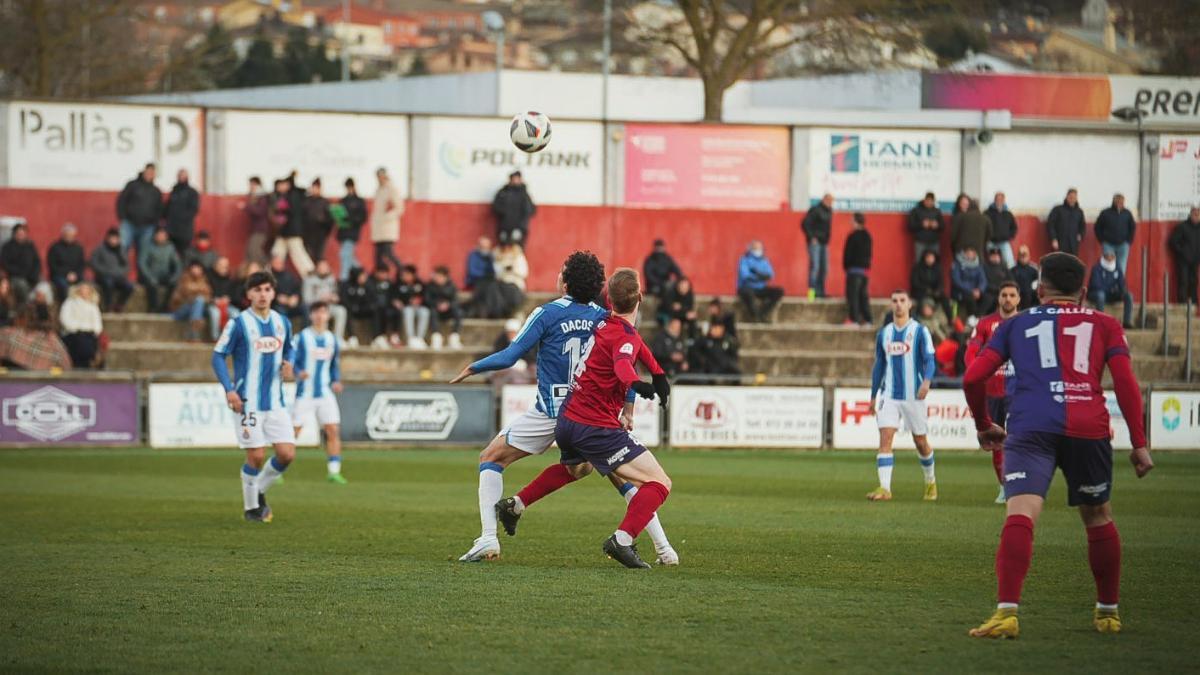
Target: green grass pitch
[(138, 561)]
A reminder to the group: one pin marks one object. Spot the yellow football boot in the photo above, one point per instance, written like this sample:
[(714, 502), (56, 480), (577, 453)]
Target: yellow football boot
[(879, 495), (931, 492), (1106, 620), (1002, 626)]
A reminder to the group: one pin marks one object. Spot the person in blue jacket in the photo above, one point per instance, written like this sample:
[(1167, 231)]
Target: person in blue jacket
[(753, 283)]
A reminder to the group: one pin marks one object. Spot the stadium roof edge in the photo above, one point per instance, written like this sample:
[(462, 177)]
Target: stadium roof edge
[(894, 119)]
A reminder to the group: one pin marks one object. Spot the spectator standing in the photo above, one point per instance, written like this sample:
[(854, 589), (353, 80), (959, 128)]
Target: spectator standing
[(1066, 224), (754, 276), (679, 302), (1107, 284), (1184, 242), (66, 261), (714, 354), (513, 208), (1115, 228), (349, 228), (659, 270), (408, 299), (225, 288), (322, 286), (201, 251), (970, 229), (180, 212), (925, 224), (189, 301), (110, 268), (385, 220), (287, 221), (969, 283), (139, 210), (19, 258), (1026, 274), (160, 269), (670, 348), (1004, 229), (318, 222), (257, 208), (289, 298), (817, 226), (856, 261), (81, 325), (961, 203), (511, 271), (926, 282), (441, 297)]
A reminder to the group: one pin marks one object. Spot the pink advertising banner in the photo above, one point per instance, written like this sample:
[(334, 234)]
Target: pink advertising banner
[(706, 166)]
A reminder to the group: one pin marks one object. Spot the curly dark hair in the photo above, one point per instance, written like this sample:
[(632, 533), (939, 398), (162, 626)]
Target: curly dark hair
[(583, 276)]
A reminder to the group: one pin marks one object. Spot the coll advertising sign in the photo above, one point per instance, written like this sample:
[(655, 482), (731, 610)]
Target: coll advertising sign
[(196, 415), (950, 423), (516, 399), (706, 167), (881, 170), (1175, 420), (100, 147), (69, 413), (1178, 176), (416, 415), (329, 146), (468, 160), (752, 417)]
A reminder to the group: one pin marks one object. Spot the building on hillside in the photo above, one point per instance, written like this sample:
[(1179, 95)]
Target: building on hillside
[(1096, 45)]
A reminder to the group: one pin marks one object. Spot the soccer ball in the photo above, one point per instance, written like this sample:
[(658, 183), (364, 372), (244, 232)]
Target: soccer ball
[(530, 131)]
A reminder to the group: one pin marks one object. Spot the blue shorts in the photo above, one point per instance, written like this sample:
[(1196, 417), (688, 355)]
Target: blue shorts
[(1030, 459), (605, 448)]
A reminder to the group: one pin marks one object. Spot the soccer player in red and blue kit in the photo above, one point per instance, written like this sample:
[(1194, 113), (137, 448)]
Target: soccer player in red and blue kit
[(997, 395), (1058, 418), (589, 430)]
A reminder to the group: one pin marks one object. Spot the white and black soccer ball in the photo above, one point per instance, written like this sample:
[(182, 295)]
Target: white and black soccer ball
[(530, 131)]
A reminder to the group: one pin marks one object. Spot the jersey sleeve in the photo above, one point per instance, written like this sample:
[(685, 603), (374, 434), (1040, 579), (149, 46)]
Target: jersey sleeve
[(979, 339), (289, 352), (299, 353), (624, 352), (1115, 342), (231, 339), (335, 363), (880, 365), (530, 335), (928, 362), (1000, 340)]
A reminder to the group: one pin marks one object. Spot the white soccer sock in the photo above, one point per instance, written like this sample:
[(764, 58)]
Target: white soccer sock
[(1101, 605), (491, 489), (271, 472), (623, 538), (654, 528), (249, 487), (927, 467), (335, 465), (1006, 605), (884, 464)]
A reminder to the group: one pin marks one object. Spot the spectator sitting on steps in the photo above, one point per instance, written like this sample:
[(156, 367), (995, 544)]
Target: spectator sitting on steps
[(1026, 274), (190, 300), (288, 292), (201, 252), (441, 297), (969, 283), (1107, 284), (81, 325), (65, 261), (659, 270), (19, 258), (754, 274), (321, 286), (110, 268), (715, 354), (160, 270), (670, 348), (225, 288)]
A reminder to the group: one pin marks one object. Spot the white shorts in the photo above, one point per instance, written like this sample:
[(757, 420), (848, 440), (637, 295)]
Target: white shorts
[(532, 432), (263, 428), (913, 414), (326, 409)]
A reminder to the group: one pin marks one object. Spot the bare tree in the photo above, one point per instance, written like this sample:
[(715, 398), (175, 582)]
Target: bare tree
[(725, 40)]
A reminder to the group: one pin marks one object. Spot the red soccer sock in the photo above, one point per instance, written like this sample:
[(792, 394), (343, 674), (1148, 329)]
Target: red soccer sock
[(549, 480), (1104, 556), (642, 507), (1013, 557), (998, 465)]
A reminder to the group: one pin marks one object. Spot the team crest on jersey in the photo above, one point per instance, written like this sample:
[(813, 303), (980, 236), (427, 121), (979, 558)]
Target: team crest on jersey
[(268, 344)]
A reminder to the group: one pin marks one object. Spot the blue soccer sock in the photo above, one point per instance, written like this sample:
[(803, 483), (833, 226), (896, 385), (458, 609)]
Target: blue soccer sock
[(249, 487)]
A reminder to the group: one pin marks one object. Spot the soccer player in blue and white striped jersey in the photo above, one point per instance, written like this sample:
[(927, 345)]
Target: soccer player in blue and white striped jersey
[(318, 380), (904, 365), (260, 342)]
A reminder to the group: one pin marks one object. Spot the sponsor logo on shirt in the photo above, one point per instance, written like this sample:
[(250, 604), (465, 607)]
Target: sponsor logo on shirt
[(1060, 387), (618, 456), (268, 344), (323, 353), (898, 348)]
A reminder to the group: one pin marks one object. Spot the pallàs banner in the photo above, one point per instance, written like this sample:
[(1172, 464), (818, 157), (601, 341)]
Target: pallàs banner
[(413, 414), (69, 413)]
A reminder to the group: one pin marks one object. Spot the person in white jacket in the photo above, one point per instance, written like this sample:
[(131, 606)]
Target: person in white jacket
[(81, 325), (386, 210)]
